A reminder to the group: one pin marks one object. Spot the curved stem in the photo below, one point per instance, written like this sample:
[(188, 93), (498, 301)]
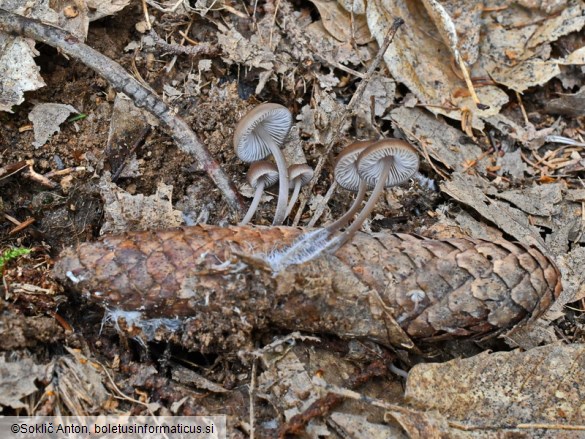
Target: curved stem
[(367, 210), (347, 216), (294, 197), (280, 213), (255, 203)]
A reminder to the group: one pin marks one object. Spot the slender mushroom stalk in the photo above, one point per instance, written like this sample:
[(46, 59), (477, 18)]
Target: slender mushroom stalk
[(299, 175), (260, 175), (381, 164), (260, 133), (386, 163), (347, 176), (314, 243)]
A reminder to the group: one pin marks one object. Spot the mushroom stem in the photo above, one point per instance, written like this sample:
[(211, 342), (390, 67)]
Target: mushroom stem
[(347, 216), (280, 213), (378, 190), (294, 197), (255, 203)]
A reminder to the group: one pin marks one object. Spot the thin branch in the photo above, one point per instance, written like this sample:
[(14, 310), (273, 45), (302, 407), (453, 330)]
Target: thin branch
[(356, 98), (203, 49), (123, 82)]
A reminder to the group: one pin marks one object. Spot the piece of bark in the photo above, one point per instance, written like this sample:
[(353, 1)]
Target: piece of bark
[(219, 279)]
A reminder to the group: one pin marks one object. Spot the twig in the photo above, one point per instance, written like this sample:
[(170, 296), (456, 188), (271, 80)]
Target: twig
[(120, 80), (252, 396), (19, 225), (339, 66), (33, 175), (321, 207), (66, 171), (138, 142), (146, 16), (13, 168), (348, 111), (178, 49)]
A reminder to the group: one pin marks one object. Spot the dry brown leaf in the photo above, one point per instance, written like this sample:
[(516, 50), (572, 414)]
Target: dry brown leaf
[(124, 212), (17, 380), (185, 375), (288, 386), (126, 125), (573, 276), (355, 426), (338, 22), (514, 49), (330, 49), (358, 7), (317, 123), (440, 141), (512, 164), (46, 119), (381, 91), (428, 70), (102, 8), (253, 53), (541, 200), (472, 191), (18, 71), (568, 104), (79, 384), (527, 134), (504, 390)]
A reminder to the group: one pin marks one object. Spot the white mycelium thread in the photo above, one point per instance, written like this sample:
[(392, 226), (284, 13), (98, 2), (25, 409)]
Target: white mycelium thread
[(73, 278), (425, 182), (305, 248), (134, 319)]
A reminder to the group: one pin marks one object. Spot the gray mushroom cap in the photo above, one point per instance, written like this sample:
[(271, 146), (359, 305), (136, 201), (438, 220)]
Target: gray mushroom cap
[(300, 171), (262, 170), (269, 119), (346, 171), (404, 162)]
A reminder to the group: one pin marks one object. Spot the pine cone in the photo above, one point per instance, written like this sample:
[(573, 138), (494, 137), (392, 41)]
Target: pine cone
[(431, 289)]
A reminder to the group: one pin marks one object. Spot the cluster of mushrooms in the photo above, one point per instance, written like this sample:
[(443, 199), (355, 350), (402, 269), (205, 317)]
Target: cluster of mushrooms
[(362, 165), (262, 133)]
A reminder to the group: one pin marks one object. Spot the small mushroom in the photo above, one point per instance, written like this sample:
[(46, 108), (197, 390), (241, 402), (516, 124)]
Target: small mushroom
[(260, 175), (347, 176), (260, 133), (299, 175), (386, 163)]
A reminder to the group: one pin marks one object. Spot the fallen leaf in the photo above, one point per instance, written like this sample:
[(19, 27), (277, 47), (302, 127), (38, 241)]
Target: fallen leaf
[(472, 191), (358, 426), (509, 45), (568, 104), (17, 380), (339, 23), (79, 384), (441, 142), (102, 8), (18, 71), (124, 211), (46, 119), (504, 390)]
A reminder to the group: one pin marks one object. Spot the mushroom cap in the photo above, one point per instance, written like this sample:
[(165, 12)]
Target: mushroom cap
[(249, 141), (346, 171), (262, 170), (301, 171), (403, 156)]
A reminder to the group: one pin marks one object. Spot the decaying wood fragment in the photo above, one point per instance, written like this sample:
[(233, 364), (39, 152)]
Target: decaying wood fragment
[(390, 288)]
